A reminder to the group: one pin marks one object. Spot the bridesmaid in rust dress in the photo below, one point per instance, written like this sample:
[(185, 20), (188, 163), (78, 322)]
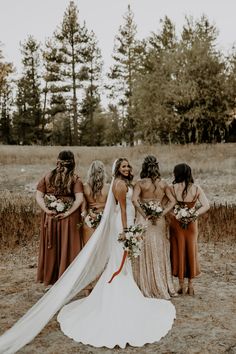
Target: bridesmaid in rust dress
[(95, 195), (184, 248), (152, 269), (60, 239)]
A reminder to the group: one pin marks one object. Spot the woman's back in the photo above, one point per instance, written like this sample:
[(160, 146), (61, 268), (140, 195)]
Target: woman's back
[(190, 196), (98, 200), (152, 190)]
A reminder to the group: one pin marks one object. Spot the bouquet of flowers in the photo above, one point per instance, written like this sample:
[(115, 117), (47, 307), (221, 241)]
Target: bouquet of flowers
[(152, 209), (132, 239), (185, 215), (57, 205), (93, 218)]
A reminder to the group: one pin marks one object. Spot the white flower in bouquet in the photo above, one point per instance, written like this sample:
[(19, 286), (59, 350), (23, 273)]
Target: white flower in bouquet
[(93, 218), (152, 209), (185, 215), (53, 204), (60, 207), (57, 205), (132, 240), (88, 221)]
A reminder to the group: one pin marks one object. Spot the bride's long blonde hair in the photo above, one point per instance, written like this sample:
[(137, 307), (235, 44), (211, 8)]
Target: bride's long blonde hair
[(96, 177)]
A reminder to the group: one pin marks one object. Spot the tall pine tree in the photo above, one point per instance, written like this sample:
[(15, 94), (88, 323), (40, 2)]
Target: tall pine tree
[(27, 119), (122, 73)]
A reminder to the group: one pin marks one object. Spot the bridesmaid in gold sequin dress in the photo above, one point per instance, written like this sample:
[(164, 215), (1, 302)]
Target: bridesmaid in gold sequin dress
[(184, 248), (152, 269)]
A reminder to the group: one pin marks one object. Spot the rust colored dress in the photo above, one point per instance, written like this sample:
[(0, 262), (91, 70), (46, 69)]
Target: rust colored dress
[(60, 240), (184, 247), (90, 200)]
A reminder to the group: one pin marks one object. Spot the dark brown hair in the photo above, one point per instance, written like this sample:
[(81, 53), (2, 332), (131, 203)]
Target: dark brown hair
[(183, 173)]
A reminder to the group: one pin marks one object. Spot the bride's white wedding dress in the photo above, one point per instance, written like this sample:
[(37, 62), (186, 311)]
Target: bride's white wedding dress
[(114, 313), (117, 313)]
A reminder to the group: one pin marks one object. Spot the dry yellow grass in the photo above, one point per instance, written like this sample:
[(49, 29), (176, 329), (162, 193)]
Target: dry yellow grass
[(214, 167), (202, 158)]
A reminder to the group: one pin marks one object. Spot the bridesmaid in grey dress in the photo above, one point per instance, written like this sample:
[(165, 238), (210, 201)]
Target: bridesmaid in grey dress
[(152, 269)]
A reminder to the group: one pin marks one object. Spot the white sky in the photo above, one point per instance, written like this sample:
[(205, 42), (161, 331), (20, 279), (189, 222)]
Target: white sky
[(20, 18)]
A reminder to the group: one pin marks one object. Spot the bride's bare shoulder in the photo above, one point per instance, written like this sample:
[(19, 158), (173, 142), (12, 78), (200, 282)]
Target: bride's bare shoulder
[(119, 185)]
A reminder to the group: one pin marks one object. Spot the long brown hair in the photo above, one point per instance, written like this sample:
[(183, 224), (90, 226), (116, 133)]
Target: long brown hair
[(117, 173), (183, 173), (62, 177)]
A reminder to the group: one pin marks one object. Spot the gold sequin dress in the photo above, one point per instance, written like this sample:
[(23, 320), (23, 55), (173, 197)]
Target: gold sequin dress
[(152, 269)]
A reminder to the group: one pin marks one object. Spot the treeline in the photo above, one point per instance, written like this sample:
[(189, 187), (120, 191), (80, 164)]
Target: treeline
[(164, 88)]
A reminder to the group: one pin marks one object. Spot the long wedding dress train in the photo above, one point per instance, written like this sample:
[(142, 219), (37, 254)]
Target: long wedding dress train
[(113, 314), (117, 313)]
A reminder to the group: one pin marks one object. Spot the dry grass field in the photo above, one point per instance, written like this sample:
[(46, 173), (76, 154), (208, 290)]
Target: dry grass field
[(205, 323)]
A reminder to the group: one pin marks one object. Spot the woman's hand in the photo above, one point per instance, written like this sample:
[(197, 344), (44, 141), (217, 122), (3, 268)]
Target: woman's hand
[(50, 212), (62, 215)]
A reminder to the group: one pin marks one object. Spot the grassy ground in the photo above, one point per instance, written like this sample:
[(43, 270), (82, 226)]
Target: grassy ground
[(205, 323)]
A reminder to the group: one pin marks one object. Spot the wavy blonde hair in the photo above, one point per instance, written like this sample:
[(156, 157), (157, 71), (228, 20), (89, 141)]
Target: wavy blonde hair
[(96, 177)]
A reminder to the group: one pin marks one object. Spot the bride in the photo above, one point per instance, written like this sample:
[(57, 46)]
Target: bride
[(114, 313)]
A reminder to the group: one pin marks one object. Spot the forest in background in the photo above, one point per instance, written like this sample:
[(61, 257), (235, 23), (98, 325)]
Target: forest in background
[(161, 89)]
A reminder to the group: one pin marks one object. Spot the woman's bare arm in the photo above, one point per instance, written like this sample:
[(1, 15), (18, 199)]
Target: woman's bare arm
[(203, 201), (136, 198), (120, 190), (77, 202), (171, 203), (41, 203)]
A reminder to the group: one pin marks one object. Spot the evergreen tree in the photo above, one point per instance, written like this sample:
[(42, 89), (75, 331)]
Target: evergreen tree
[(154, 114), (55, 107), (198, 91), (72, 45), (6, 70), (27, 119), (122, 74), (231, 97), (92, 75)]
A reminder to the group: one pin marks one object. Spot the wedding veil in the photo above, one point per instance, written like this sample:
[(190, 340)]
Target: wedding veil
[(85, 268)]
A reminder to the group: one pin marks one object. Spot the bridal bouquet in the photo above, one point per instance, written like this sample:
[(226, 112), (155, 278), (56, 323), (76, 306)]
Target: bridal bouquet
[(93, 218), (58, 205), (152, 209), (185, 215), (132, 239)]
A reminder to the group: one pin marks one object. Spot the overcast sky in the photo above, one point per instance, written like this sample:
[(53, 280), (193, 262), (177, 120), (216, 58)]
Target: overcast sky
[(20, 18)]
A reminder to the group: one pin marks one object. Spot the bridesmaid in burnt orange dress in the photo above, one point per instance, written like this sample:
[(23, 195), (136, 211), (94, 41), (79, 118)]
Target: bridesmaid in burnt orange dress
[(183, 236), (95, 195), (60, 240)]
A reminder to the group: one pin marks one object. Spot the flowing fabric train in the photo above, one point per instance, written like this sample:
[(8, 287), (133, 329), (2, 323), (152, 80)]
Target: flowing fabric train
[(85, 268)]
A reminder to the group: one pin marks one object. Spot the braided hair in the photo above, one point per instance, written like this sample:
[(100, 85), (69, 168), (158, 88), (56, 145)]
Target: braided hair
[(62, 177), (150, 168)]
